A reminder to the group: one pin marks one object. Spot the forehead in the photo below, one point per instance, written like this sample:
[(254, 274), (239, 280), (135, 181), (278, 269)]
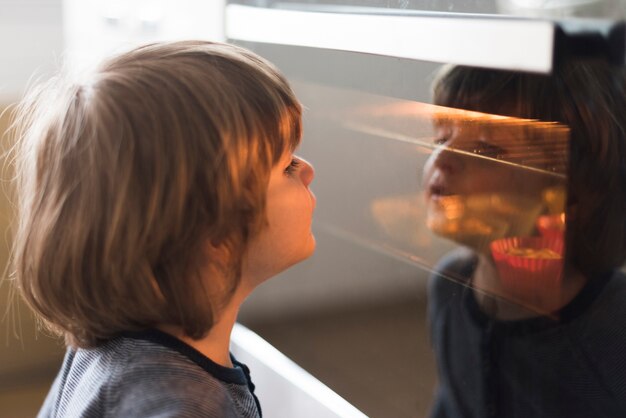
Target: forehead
[(542, 145), (504, 130)]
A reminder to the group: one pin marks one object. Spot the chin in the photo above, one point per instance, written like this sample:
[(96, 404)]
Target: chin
[(311, 245), (291, 259)]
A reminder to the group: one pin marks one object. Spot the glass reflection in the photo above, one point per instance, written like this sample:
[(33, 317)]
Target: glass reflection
[(510, 192), (489, 184), (532, 322)]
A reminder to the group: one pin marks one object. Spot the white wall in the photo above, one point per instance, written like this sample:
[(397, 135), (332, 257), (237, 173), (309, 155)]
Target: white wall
[(31, 41), (94, 29)]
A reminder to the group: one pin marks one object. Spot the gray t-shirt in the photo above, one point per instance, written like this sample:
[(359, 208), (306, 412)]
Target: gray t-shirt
[(149, 374)]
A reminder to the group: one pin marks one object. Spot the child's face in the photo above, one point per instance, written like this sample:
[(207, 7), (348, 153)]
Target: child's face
[(287, 238), (475, 189)]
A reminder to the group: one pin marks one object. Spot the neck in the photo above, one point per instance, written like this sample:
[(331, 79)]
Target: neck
[(500, 302), (216, 344)]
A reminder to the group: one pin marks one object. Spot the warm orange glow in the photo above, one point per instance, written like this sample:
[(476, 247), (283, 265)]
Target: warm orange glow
[(528, 143), (551, 226), (529, 266), (554, 199)]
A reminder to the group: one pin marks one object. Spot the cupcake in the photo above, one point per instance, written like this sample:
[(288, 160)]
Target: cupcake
[(529, 265)]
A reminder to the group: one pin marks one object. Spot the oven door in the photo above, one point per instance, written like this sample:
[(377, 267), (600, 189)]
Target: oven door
[(408, 180)]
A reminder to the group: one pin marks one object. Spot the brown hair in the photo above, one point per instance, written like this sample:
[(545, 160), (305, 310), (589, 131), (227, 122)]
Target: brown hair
[(122, 181), (589, 96)]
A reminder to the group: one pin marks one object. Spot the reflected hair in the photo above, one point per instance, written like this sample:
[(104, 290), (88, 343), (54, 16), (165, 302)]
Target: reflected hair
[(589, 96), (124, 180)]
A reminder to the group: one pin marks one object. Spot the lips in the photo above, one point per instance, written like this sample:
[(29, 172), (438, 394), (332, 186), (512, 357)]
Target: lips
[(438, 185), (437, 190)]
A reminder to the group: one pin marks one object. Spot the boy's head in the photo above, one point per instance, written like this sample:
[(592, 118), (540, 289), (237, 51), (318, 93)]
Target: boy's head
[(589, 97), (126, 181)]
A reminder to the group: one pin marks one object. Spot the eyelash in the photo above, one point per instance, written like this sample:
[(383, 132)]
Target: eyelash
[(292, 167), (489, 150), (482, 148), (441, 140)]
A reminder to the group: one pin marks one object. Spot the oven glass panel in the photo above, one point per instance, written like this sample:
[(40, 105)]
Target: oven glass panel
[(414, 181), (470, 226), (417, 202)]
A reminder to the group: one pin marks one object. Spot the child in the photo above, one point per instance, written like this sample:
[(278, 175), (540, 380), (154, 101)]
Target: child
[(502, 354), (153, 198)]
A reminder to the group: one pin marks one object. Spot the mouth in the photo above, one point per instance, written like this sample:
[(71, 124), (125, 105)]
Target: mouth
[(437, 191)]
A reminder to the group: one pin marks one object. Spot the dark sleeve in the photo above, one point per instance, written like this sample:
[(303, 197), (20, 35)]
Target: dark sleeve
[(449, 278), (601, 335), (445, 293), (439, 407)]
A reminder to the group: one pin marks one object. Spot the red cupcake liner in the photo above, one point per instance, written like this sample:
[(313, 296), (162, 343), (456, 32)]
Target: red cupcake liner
[(528, 275)]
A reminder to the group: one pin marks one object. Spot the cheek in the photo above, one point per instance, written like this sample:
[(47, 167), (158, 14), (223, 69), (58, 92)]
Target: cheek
[(485, 177), (290, 214)]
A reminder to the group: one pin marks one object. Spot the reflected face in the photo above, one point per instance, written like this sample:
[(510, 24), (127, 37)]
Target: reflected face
[(475, 186), (287, 238)]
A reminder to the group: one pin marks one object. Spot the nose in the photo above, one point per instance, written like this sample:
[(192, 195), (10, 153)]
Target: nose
[(307, 173), (447, 157), (445, 160)]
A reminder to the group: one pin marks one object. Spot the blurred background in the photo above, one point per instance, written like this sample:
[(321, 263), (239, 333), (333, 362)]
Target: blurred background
[(31, 41), (354, 315)]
